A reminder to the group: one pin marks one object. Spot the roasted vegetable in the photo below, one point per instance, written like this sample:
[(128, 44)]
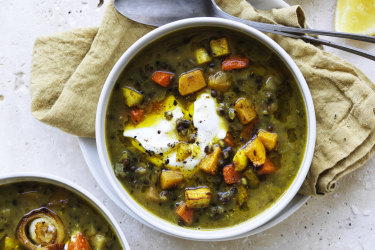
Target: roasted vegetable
[(251, 177), (170, 178), (202, 56), (234, 63), (132, 96), (268, 139), (185, 213), (230, 175), (209, 163), (137, 115), (78, 242), (191, 82), (229, 139), (240, 160), (267, 168), (246, 132), (162, 78), (242, 195), (220, 81), (245, 110), (40, 227), (183, 151), (256, 152), (198, 197), (219, 47)]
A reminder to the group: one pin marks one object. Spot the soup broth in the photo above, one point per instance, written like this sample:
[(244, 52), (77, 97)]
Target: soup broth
[(206, 128), (63, 213)]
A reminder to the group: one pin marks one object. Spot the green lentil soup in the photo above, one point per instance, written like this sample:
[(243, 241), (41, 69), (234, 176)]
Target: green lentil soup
[(35, 215), (206, 128)]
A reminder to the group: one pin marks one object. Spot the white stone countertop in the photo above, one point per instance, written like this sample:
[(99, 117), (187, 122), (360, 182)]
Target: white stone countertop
[(343, 220)]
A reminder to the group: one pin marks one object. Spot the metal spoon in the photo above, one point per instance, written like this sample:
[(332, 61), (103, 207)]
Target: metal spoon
[(160, 12)]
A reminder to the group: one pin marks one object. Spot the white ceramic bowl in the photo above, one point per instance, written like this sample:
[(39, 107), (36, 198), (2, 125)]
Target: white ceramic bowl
[(74, 188), (162, 225)]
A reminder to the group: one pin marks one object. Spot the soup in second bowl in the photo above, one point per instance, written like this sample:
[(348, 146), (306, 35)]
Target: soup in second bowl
[(42, 216), (206, 128)]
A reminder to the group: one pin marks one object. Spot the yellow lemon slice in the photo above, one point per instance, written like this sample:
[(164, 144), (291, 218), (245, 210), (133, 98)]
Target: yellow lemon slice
[(355, 16)]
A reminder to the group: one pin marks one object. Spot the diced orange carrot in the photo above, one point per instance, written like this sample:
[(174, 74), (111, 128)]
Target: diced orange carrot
[(162, 78), (246, 131), (137, 115), (267, 168), (185, 213), (234, 63), (230, 175), (229, 139), (78, 242)]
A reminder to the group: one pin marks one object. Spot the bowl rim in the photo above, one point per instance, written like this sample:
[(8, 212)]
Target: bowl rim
[(159, 223), (19, 177)]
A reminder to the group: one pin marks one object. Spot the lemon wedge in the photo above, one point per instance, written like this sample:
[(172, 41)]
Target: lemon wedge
[(355, 16)]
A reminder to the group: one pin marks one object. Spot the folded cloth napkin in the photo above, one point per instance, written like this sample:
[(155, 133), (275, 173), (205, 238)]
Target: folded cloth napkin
[(69, 69)]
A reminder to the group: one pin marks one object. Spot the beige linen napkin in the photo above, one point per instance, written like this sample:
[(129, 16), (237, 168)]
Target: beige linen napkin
[(69, 69)]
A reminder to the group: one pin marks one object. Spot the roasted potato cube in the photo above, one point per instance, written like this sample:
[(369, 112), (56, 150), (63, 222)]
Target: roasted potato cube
[(242, 195), (240, 160), (170, 178), (268, 139), (251, 177), (256, 152), (183, 151), (219, 47), (132, 96), (191, 82), (198, 197), (219, 81), (245, 110), (202, 56), (209, 163)]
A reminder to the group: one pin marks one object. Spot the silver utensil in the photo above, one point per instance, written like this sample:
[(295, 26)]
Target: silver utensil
[(160, 12)]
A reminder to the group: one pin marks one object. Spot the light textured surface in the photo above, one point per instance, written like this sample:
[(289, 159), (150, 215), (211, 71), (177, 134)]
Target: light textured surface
[(340, 221)]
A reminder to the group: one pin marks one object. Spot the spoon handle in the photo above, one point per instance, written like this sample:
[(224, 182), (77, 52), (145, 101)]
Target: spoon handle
[(301, 31), (315, 40), (272, 28), (216, 11)]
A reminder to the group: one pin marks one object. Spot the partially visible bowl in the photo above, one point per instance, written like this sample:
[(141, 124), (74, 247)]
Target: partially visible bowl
[(163, 226), (19, 178)]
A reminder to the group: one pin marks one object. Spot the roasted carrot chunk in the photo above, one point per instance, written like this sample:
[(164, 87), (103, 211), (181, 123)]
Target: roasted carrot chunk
[(246, 131), (230, 175), (78, 242), (267, 168), (185, 213), (137, 115), (162, 78), (234, 63), (229, 139)]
